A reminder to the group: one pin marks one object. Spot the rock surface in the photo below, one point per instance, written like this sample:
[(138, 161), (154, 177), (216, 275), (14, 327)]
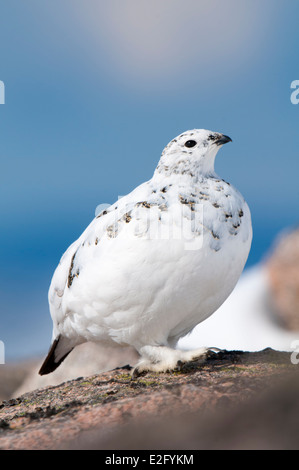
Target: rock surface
[(110, 411), (12, 376), (283, 270), (86, 359)]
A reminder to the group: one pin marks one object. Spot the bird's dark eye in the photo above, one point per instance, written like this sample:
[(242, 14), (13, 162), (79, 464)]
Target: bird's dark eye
[(212, 137), (190, 143)]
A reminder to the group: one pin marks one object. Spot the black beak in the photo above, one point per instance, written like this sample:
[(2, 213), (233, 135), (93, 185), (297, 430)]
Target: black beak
[(223, 139)]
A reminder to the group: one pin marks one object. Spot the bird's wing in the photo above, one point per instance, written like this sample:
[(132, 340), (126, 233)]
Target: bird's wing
[(105, 226)]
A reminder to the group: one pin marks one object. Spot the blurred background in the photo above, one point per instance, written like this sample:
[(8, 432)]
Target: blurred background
[(95, 90)]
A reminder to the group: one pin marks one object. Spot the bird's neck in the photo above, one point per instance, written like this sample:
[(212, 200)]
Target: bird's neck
[(185, 167), (184, 172)]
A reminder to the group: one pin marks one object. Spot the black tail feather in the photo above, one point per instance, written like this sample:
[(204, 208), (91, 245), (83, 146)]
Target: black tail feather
[(49, 364)]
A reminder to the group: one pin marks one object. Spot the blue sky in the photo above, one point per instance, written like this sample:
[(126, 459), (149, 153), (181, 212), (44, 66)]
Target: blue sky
[(95, 90)]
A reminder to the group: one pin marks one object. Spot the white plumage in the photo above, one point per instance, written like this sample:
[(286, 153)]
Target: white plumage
[(156, 263)]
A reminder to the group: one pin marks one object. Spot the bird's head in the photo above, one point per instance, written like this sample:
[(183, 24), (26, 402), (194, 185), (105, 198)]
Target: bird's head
[(192, 152)]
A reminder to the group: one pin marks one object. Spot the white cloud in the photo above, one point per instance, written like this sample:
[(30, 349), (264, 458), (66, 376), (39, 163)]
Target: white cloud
[(163, 41)]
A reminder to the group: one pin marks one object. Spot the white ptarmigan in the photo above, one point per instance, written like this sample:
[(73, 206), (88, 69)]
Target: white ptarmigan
[(156, 263)]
